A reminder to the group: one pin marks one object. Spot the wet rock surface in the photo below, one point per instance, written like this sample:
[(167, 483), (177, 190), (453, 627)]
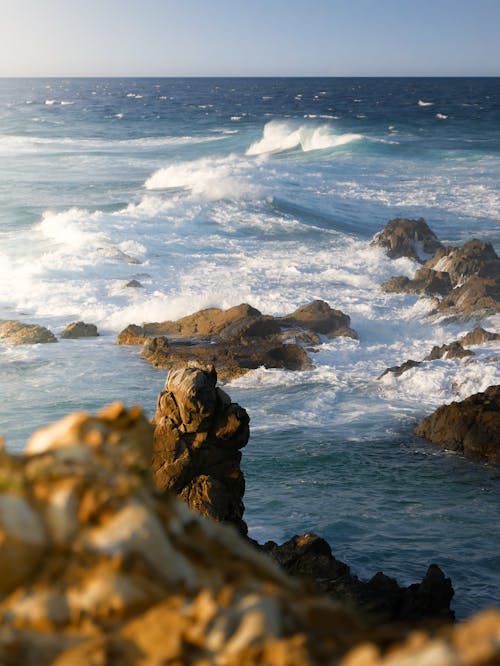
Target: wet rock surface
[(471, 427), (239, 339), (197, 440), (17, 333), (407, 238), (467, 278), (479, 336)]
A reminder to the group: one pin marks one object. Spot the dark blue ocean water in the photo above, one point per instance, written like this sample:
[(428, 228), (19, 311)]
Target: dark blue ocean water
[(213, 192)]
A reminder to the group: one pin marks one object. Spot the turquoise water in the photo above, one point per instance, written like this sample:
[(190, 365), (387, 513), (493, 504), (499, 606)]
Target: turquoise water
[(213, 192)]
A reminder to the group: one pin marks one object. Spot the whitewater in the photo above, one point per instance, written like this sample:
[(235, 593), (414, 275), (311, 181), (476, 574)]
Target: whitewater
[(214, 192)]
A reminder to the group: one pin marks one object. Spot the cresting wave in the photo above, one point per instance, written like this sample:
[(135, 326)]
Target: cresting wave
[(280, 137)]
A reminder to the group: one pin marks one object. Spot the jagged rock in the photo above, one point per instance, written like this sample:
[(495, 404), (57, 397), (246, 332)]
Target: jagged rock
[(239, 339), (479, 336), (380, 599), (471, 427), (475, 257), (197, 440), (477, 297), (398, 370), (426, 281), (452, 350), (407, 238), (17, 333), (134, 284), (78, 329)]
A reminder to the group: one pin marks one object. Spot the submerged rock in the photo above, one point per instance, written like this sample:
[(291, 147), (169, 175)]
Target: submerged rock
[(197, 440), (471, 427), (398, 370), (17, 333), (79, 329), (407, 238), (239, 339), (452, 350)]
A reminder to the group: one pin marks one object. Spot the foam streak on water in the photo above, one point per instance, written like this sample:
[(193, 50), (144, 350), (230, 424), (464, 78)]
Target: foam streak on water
[(215, 192)]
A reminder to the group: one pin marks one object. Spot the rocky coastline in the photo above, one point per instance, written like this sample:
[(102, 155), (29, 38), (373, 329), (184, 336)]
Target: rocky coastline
[(117, 532), (99, 566)]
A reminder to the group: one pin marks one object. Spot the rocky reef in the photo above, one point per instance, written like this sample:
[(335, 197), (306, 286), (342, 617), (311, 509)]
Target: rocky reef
[(466, 279), (79, 329), (16, 333), (98, 568), (239, 339), (471, 427)]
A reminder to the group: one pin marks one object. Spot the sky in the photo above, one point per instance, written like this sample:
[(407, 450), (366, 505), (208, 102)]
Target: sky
[(250, 38)]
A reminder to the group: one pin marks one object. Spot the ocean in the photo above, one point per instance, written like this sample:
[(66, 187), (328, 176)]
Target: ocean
[(214, 192)]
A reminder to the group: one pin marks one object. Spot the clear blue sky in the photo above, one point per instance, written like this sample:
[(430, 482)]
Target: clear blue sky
[(249, 37)]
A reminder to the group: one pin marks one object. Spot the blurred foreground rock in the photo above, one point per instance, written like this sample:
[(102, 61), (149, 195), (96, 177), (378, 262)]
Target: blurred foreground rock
[(99, 569), (239, 339), (17, 333)]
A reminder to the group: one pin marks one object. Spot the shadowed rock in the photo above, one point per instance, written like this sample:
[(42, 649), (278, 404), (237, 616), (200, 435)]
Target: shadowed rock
[(79, 329), (476, 298), (398, 370), (475, 257), (471, 427), (380, 599), (407, 238), (17, 333), (197, 440)]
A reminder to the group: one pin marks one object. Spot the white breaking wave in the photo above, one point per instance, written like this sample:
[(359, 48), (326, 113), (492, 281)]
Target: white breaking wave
[(422, 103), (212, 178), (279, 136), (441, 116)]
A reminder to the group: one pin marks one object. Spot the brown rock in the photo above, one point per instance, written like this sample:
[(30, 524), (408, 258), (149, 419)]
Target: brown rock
[(452, 350), (398, 370), (474, 258), (239, 339), (479, 336), (426, 281), (319, 317), (78, 329), (198, 434), (407, 238), (477, 297), (471, 427), (17, 333)]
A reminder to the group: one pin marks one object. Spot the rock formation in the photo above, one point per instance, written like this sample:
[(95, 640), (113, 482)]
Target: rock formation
[(239, 339), (17, 333), (79, 329), (197, 440), (407, 238), (467, 278), (471, 427), (479, 336), (377, 601)]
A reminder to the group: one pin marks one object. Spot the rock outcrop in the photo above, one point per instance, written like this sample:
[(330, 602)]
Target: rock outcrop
[(466, 278), (479, 336), (471, 427), (79, 329), (407, 238), (197, 440), (377, 601), (449, 351), (17, 333), (239, 339)]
